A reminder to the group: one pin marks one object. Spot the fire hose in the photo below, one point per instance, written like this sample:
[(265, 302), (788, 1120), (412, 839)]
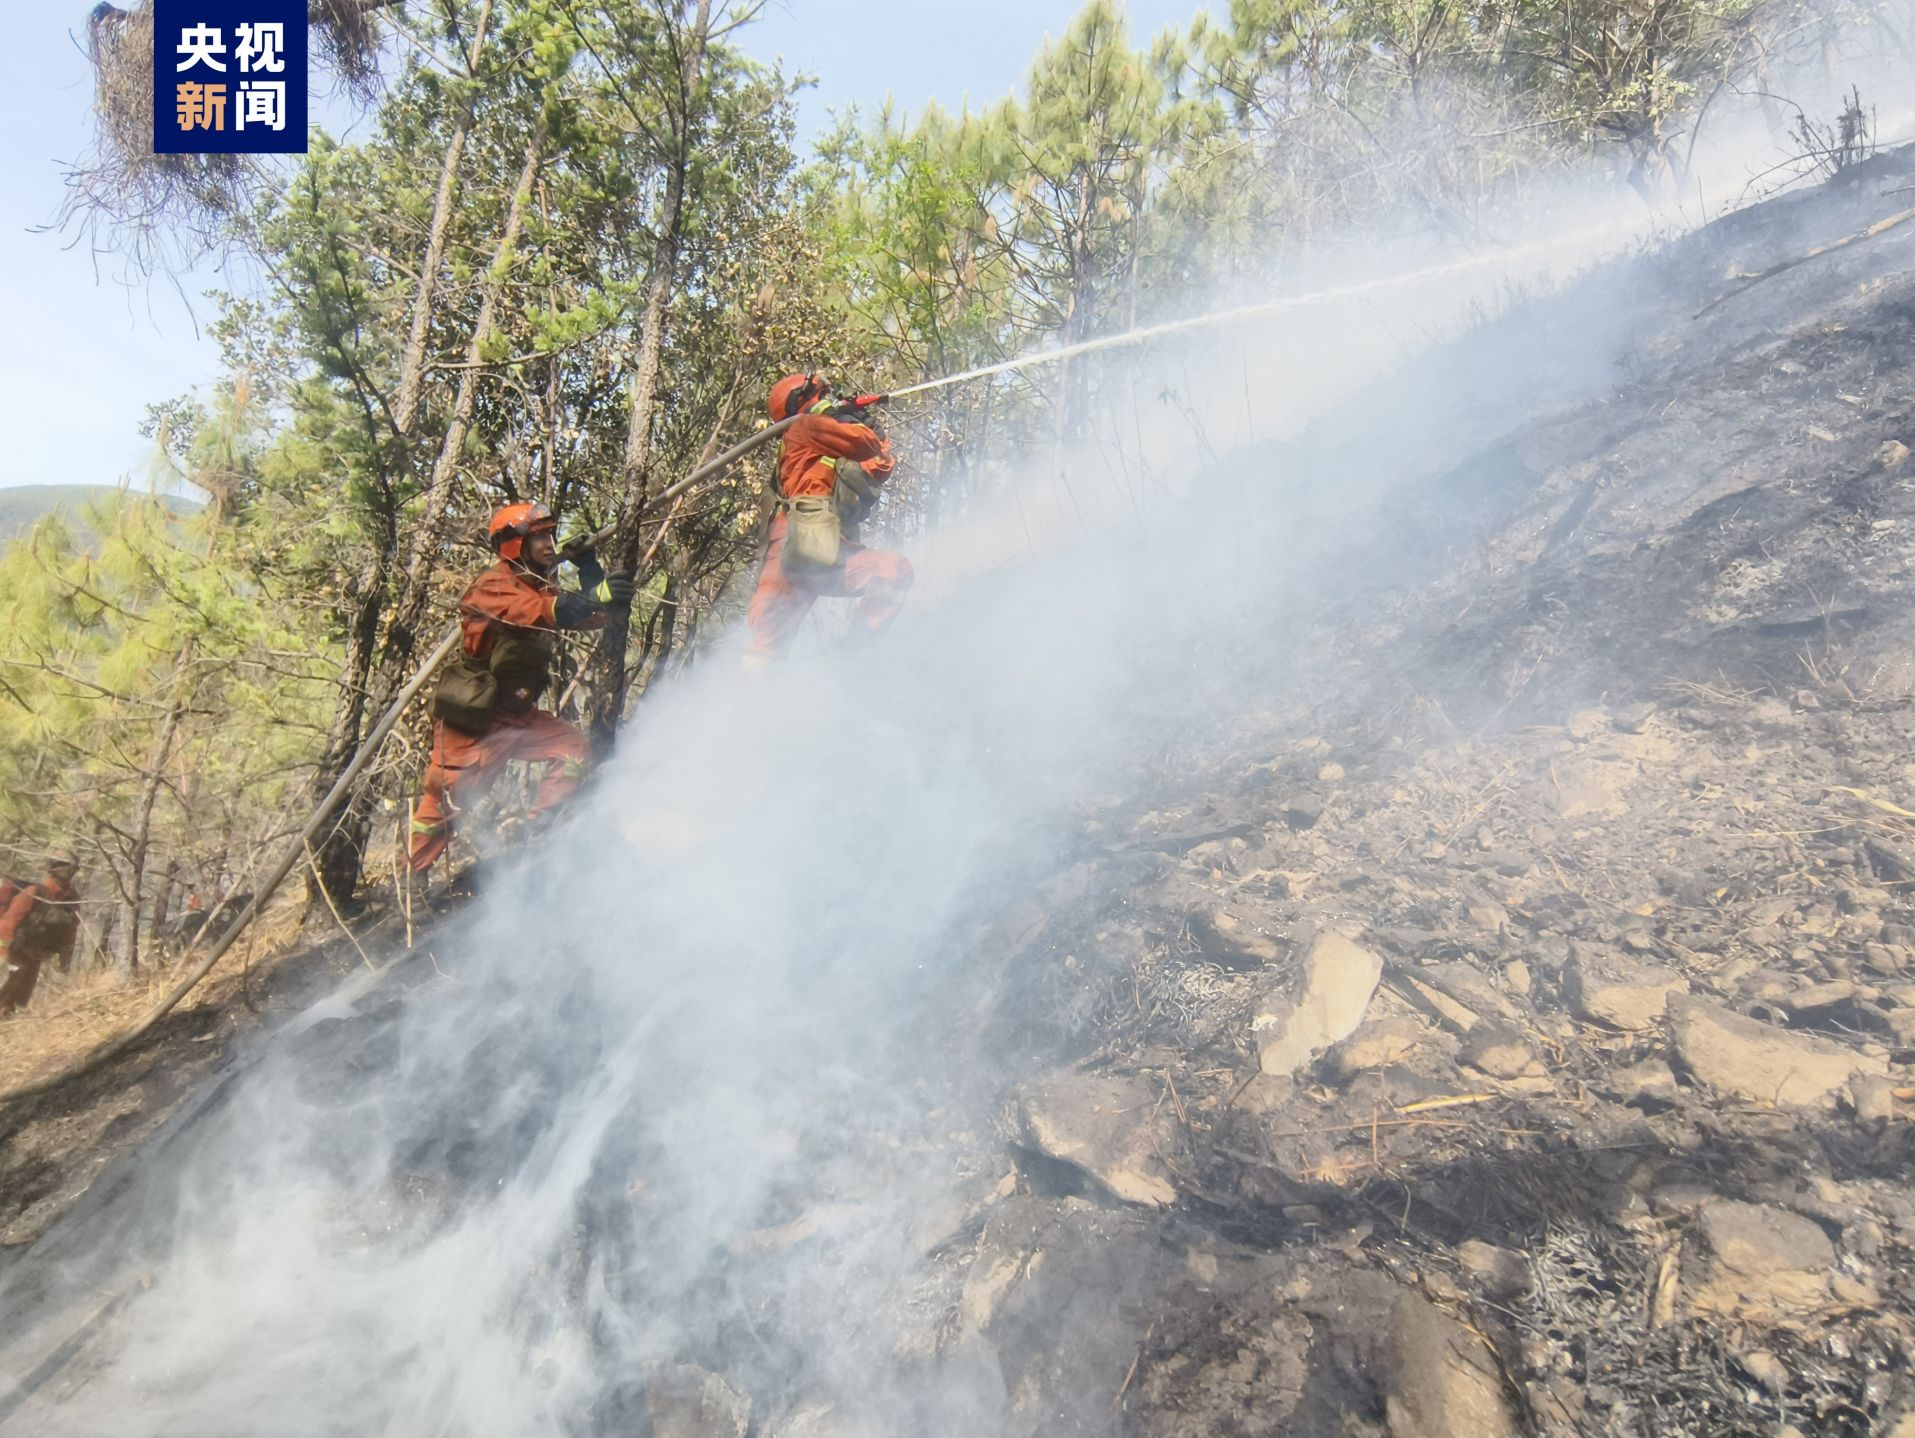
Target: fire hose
[(297, 847)]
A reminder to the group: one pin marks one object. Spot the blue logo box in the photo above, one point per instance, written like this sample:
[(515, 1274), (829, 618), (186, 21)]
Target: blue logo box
[(229, 77)]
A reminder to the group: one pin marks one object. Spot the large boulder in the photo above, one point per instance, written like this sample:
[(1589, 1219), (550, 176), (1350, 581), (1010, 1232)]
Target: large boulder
[(1753, 1060), (1501, 1051), (1060, 1296), (690, 1402), (1443, 1381), (1339, 979), (1620, 993), (1107, 1126), (1376, 1045), (1761, 1261), (1234, 940)]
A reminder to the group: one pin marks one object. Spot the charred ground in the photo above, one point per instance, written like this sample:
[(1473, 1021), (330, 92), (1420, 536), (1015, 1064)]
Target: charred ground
[(1608, 792), (1497, 1023)]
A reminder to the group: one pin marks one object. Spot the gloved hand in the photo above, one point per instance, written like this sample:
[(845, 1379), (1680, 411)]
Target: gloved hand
[(615, 589), (591, 572), (575, 609)]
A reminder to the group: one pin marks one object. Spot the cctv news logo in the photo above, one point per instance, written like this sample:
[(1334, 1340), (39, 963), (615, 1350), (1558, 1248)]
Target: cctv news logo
[(229, 77)]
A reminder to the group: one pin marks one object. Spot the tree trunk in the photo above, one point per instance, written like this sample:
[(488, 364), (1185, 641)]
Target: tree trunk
[(127, 955), (342, 853), (412, 362), (104, 945), (605, 692), (409, 606)]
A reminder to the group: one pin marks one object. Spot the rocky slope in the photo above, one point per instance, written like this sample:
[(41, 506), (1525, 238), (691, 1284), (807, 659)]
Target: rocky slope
[(1487, 1009), (1508, 1030)]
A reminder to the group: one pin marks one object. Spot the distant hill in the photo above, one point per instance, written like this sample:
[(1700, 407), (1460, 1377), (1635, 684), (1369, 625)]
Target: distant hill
[(23, 504)]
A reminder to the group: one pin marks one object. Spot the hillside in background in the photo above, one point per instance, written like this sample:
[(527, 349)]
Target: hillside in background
[(23, 505)]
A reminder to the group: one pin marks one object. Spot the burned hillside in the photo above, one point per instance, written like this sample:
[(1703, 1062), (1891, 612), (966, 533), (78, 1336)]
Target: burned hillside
[(1420, 945)]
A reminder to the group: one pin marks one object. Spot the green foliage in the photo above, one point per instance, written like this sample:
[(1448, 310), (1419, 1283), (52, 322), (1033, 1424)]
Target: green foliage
[(164, 615), (458, 306)]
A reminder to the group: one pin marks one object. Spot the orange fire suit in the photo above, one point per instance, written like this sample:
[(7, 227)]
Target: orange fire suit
[(464, 766), (812, 450), (40, 924)]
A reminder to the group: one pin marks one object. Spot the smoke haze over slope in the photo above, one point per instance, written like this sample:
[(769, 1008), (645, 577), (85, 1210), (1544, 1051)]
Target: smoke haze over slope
[(749, 984)]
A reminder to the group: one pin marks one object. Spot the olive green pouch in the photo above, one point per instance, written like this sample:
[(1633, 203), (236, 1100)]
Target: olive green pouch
[(468, 692), (813, 536)]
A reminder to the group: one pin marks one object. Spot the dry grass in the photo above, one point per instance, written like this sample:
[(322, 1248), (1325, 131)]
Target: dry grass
[(73, 1014), (157, 209), (123, 194)]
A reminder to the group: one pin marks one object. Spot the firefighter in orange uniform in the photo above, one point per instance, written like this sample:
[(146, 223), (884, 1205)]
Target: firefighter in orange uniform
[(39, 924), (829, 474), (485, 714)]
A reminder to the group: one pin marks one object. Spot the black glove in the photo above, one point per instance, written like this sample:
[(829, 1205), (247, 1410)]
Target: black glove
[(591, 573), (866, 415), (574, 609), (616, 589)]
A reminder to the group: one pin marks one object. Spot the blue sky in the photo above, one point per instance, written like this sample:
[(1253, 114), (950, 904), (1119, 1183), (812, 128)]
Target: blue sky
[(86, 352)]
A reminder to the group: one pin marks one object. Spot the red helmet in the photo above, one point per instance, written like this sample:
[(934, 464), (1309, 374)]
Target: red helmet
[(792, 393), (511, 525)]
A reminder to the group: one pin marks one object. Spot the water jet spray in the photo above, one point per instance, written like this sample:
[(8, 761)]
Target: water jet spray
[(1279, 305)]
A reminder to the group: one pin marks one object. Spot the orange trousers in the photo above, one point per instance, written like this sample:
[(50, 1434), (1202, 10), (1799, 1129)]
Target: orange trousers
[(876, 578), (463, 766), (22, 974)]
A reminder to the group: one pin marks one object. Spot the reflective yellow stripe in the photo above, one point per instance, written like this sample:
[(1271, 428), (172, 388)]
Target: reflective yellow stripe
[(430, 830)]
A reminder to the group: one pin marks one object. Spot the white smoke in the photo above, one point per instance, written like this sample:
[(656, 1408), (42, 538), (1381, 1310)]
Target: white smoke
[(698, 1079)]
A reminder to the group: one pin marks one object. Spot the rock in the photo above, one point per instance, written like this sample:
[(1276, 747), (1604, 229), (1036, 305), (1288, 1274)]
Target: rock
[(1516, 974), (1458, 1018), (690, 1402), (1737, 1055), (1502, 1273), (1499, 1050), (1467, 985), (808, 1420), (1074, 1281), (1109, 1127), (1768, 985), (1231, 940), (1339, 978), (1761, 1261), (1587, 724), (1442, 1380), (1633, 718), (1882, 959), (1301, 811), (1874, 1099), (1819, 996), (1487, 915), (1892, 454), (1595, 787), (1331, 773), (1765, 1368), (1852, 1290), (1681, 1200), (1618, 992), (1376, 1045), (1652, 1080)]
